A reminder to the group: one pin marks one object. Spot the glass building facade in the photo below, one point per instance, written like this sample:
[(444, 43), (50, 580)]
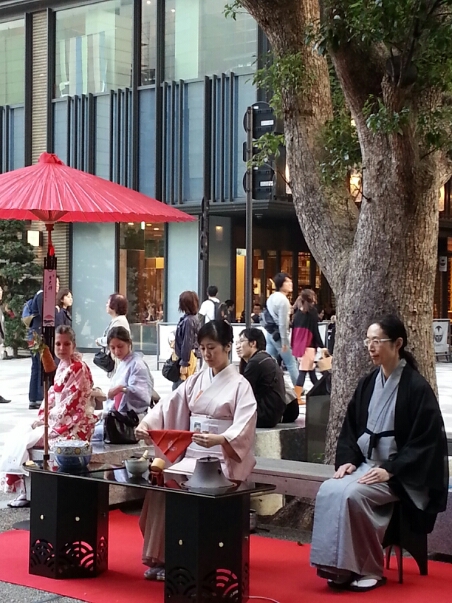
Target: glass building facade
[(93, 51), (151, 94)]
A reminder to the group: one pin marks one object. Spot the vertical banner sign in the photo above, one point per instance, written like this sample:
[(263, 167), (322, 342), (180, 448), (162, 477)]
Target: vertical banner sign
[(49, 301)]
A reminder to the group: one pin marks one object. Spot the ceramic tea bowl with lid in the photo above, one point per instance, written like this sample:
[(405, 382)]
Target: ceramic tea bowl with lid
[(73, 455)]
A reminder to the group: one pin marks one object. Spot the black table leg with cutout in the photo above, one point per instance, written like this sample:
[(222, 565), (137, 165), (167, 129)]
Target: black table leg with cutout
[(68, 527), (206, 549)]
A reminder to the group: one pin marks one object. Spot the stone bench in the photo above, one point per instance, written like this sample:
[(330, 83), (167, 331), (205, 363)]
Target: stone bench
[(285, 441), (296, 478)]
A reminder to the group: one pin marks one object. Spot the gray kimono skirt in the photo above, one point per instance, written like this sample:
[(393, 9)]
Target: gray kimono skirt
[(351, 519)]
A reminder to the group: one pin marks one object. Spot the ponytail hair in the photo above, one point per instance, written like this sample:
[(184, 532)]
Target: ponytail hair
[(393, 328), (306, 300), (410, 359)]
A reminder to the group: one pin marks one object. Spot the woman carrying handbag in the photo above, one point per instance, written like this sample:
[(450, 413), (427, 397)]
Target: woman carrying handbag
[(116, 307), (185, 342)]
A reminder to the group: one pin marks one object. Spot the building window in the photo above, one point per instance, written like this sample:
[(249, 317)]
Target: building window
[(148, 41), (200, 41), (141, 271), (12, 62), (94, 48)]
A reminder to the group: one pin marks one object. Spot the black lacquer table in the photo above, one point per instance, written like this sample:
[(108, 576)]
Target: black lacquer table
[(206, 532)]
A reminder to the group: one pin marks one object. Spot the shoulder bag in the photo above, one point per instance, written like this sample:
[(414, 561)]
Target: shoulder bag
[(119, 428), (103, 360), (171, 368)]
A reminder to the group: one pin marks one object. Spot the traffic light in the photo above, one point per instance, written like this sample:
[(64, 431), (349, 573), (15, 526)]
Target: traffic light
[(262, 177)]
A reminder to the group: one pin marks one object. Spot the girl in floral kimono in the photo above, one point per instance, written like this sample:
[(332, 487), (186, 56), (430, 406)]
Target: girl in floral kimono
[(218, 405), (71, 415)]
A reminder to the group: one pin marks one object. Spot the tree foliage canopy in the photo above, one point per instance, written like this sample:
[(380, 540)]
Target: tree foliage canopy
[(406, 46)]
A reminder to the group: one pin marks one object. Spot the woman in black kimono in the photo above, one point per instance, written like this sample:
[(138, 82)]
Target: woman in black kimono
[(392, 447)]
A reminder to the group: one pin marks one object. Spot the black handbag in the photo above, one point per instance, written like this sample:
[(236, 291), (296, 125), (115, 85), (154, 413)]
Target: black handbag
[(119, 428), (103, 360), (171, 369)]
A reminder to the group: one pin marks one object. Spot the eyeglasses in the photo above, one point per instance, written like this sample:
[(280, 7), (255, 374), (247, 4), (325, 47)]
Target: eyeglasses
[(375, 341), (240, 341)]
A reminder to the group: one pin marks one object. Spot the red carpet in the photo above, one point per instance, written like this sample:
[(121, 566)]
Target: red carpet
[(279, 570)]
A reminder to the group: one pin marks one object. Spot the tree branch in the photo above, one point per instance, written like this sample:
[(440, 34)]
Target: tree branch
[(327, 218)]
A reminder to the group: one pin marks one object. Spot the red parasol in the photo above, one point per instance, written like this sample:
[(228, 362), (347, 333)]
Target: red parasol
[(53, 192)]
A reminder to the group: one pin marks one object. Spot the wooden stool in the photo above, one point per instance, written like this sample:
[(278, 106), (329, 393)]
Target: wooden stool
[(400, 536)]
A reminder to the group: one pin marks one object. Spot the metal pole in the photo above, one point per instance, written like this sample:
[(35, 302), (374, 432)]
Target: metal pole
[(249, 218), (48, 329)]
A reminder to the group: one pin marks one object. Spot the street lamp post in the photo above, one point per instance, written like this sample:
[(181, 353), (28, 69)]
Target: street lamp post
[(249, 218)]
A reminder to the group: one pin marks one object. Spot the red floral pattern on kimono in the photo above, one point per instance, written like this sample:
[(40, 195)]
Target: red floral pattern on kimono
[(70, 407), (71, 416)]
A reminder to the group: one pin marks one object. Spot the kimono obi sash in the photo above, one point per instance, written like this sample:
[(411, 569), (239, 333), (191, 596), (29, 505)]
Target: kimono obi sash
[(375, 438), (206, 424)]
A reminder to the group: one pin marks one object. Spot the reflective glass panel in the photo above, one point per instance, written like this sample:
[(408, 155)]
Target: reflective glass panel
[(12, 62), (141, 279), (148, 41), (94, 48), (93, 279), (200, 41)]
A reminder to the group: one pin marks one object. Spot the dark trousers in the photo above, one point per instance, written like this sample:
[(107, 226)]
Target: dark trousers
[(302, 377), (36, 390)]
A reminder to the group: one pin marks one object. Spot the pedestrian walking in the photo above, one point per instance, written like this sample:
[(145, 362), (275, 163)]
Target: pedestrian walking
[(116, 306), (210, 308), (275, 319), (2, 339), (64, 304), (230, 311), (2, 326), (186, 340), (305, 338), (36, 390)]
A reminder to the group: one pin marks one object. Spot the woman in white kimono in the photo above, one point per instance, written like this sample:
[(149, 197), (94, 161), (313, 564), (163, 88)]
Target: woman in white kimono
[(392, 447), (71, 415), (132, 385), (220, 403)]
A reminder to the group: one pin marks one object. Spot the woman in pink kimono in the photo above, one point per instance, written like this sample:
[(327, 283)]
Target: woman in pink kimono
[(71, 415), (218, 405)]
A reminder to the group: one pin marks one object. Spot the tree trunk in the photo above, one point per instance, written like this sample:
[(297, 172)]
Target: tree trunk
[(392, 269), (382, 261)]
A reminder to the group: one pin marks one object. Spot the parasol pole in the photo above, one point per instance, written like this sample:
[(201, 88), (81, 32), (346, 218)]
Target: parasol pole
[(48, 329)]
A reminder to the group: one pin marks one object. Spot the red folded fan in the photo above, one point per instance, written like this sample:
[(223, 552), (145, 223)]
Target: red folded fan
[(171, 442)]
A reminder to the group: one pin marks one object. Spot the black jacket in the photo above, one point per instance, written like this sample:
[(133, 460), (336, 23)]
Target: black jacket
[(63, 317), (421, 459), (267, 382), (186, 337)]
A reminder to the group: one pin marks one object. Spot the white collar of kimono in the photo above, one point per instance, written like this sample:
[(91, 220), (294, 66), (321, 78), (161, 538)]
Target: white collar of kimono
[(222, 372)]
